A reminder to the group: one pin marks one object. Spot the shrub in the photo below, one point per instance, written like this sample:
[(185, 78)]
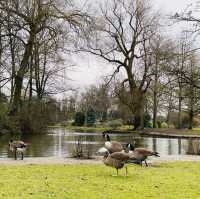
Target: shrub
[(150, 124), (36, 116), (115, 123), (161, 118), (147, 120), (8, 124), (173, 119), (159, 124), (164, 125), (79, 119)]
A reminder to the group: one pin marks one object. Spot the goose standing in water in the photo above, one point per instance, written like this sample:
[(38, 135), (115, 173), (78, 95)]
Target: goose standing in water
[(18, 146)]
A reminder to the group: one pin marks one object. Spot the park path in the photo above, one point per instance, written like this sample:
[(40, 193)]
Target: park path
[(97, 160)]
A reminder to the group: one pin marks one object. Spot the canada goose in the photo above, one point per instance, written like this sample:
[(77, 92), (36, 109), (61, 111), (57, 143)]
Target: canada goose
[(118, 160), (112, 146), (18, 147), (141, 153)]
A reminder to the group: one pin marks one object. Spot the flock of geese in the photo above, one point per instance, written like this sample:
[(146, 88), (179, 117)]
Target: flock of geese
[(114, 155)]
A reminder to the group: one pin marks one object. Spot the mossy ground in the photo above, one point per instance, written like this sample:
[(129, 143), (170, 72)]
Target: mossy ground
[(178, 180)]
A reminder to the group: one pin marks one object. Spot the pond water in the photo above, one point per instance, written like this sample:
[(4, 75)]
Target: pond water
[(62, 143)]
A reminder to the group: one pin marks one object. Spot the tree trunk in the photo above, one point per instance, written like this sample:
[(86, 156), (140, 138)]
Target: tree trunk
[(191, 115), (155, 111), (31, 79), (155, 93), (191, 112), (1, 50), (139, 120), (170, 107), (18, 80), (179, 107), (139, 111)]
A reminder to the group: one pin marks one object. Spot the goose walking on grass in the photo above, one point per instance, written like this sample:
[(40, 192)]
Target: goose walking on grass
[(111, 146), (141, 153), (18, 147), (117, 160)]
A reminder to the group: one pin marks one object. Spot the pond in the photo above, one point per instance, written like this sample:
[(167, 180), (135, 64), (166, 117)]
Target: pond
[(60, 142)]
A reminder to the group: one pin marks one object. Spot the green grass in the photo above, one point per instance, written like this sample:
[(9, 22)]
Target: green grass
[(129, 128), (93, 129), (194, 131), (87, 129), (197, 129), (178, 180)]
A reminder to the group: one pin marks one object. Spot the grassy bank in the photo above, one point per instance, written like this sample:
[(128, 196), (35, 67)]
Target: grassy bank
[(93, 129), (194, 131), (87, 129), (167, 181), (128, 128)]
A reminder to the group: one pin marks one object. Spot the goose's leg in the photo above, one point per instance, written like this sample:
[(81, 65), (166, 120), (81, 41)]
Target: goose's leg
[(146, 163), (126, 171), (115, 174), (22, 155), (15, 154)]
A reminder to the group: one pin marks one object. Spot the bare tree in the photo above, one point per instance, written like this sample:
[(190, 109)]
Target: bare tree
[(161, 54), (25, 21), (34, 36), (97, 98), (121, 36), (180, 65)]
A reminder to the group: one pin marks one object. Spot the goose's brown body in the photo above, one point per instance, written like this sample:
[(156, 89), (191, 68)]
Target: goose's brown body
[(18, 146), (144, 152), (117, 160), (141, 153), (113, 146)]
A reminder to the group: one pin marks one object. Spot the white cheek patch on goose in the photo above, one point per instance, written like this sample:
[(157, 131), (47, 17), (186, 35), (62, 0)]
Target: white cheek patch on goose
[(20, 150), (102, 150), (108, 145)]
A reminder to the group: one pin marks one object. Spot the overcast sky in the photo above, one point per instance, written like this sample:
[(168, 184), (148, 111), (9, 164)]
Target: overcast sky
[(90, 70), (172, 5)]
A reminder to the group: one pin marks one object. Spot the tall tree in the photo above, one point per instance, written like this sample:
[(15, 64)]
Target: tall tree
[(121, 35), (34, 35), (162, 50)]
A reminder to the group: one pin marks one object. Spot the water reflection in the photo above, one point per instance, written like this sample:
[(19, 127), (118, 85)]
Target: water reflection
[(61, 143), (194, 146)]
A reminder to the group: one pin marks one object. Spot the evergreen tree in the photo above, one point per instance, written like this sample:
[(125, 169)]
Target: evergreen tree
[(91, 117), (79, 119)]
